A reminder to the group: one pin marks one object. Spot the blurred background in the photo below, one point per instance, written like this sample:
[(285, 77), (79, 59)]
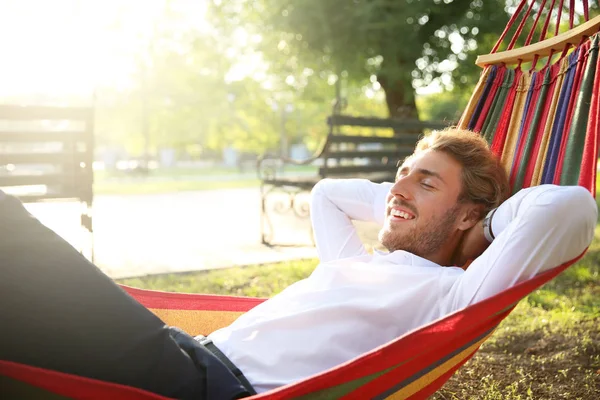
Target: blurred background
[(188, 93)]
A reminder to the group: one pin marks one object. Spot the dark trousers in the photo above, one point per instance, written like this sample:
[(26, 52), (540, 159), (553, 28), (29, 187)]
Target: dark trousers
[(58, 311)]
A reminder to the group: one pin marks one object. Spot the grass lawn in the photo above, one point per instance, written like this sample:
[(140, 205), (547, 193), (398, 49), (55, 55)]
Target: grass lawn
[(167, 180), (548, 348), (177, 172)]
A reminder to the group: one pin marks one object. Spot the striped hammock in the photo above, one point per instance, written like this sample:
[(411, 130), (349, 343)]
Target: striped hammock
[(543, 124)]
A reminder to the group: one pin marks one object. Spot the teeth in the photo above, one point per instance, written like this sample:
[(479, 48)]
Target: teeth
[(401, 214)]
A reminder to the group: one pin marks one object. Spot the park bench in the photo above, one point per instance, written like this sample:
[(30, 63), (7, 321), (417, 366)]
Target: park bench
[(46, 153), (343, 155)]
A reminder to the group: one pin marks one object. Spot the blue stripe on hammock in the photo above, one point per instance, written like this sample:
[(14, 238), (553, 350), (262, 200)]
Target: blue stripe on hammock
[(484, 95), (560, 116), (524, 117)]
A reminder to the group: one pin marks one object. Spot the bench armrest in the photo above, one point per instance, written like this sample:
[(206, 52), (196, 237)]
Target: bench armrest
[(266, 165)]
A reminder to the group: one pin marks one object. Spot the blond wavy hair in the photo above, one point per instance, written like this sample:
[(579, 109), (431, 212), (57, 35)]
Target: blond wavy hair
[(484, 180)]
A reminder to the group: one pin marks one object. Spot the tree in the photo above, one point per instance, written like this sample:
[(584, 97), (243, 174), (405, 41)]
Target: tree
[(402, 43)]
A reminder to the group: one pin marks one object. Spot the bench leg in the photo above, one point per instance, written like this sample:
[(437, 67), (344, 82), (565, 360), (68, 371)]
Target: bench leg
[(291, 203), (266, 226)]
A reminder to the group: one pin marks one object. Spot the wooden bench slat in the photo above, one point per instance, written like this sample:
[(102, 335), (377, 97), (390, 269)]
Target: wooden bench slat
[(45, 179), (357, 169), (398, 124), (75, 196), (404, 140), (8, 112), (44, 136), (299, 182), (378, 154), (57, 158)]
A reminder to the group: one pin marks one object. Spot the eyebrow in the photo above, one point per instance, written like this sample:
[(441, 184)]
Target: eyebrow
[(423, 171)]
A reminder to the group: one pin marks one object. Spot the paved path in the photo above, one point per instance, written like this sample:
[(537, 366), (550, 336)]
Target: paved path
[(147, 234)]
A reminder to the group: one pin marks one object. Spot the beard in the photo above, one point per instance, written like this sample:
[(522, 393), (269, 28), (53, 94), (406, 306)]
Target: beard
[(420, 240)]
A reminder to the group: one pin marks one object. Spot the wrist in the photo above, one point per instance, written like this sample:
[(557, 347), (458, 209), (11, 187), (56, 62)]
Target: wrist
[(488, 232)]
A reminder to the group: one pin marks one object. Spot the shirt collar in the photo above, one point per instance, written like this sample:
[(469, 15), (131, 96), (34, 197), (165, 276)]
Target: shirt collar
[(404, 257)]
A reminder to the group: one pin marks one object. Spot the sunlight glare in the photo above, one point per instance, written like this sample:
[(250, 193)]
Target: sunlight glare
[(70, 47)]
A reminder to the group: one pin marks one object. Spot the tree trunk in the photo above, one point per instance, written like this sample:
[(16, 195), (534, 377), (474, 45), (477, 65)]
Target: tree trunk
[(400, 98)]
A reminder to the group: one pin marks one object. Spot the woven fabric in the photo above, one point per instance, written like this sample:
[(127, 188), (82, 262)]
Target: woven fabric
[(558, 127), (407, 368), (499, 140), (489, 127), (475, 98), (571, 109), (576, 138), (512, 135), (587, 177), (549, 122), (537, 135)]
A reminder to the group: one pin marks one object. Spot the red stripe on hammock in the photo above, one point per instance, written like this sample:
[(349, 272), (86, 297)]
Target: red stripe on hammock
[(525, 128), (490, 99), (73, 386), (190, 301), (416, 342), (411, 345), (539, 133), (499, 141), (413, 369), (587, 176), (438, 383)]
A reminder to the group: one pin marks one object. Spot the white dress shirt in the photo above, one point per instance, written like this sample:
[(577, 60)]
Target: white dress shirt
[(354, 301)]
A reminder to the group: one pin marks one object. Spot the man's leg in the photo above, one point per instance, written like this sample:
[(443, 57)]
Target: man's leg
[(58, 311)]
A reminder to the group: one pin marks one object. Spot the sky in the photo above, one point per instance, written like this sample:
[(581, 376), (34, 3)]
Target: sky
[(71, 47)]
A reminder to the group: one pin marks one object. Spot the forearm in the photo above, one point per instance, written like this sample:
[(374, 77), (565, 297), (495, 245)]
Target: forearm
[(334, 204), (537, 229)]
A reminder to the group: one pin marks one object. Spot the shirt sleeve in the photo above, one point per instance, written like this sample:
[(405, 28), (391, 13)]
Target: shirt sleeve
[(334, 204), (537, 229)]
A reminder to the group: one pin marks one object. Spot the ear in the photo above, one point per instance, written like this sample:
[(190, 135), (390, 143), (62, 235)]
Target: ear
[(470, 215)]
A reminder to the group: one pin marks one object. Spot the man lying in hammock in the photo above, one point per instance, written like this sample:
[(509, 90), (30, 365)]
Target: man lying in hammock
[(60, 312)]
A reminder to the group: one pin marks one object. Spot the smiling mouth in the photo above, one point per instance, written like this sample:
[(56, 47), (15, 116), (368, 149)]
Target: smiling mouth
[(401, 215)]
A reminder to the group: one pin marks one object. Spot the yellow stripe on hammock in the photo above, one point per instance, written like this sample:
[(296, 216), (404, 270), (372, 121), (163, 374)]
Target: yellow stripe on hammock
[(515, 122), (434, 374), (468, 113), (196, 322), (543, 151)]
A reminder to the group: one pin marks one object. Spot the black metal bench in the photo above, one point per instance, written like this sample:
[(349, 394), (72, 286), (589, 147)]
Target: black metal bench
[(343, 155), (46, 153)]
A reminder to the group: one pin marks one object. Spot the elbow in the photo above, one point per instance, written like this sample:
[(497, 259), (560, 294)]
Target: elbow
[(319, 190), (579, 211), (320, 187), (589, 213)]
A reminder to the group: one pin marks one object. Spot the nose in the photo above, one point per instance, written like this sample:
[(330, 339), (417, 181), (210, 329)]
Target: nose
[(401, 188)]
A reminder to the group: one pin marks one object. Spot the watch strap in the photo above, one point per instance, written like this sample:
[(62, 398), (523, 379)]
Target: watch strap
[(487, 226)]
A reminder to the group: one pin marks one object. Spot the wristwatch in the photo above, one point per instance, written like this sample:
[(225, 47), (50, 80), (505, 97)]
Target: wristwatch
[(487, 226)]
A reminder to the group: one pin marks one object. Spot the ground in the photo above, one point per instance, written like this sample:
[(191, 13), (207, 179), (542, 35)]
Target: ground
[(145, 234), (548, 348)]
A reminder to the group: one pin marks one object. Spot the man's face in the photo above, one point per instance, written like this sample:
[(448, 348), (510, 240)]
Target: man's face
[(422, 207)]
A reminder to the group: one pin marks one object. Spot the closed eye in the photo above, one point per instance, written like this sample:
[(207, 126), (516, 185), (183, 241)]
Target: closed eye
[(426, 186)]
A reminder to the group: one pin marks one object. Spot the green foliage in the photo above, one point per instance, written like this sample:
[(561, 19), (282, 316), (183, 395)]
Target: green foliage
[(444, 106), (400, 42)]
